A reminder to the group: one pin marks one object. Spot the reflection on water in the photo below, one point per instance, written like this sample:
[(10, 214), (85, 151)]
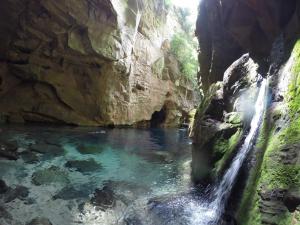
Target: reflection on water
[(91, 175)]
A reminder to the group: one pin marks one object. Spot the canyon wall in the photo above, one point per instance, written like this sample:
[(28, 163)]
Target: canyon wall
[(94, 62), (241, 42)]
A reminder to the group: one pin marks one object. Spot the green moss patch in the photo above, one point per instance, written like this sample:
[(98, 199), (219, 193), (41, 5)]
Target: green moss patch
[(223, 149), (274, 173)]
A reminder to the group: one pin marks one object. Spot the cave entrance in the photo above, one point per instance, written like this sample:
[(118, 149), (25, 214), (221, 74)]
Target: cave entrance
[(158, 117)]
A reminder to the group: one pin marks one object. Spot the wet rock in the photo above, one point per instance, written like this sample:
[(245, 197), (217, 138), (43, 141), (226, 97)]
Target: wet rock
[(84, 166), (3, 187), (8, 150), (69, 193), (45, 148), (212, 128), (90, 149), (292, 200), (20, 192), (104, 198), (238, 77), (50, 175), (39, 221)]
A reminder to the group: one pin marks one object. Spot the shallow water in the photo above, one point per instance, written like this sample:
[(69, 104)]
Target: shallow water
[(139, 166)]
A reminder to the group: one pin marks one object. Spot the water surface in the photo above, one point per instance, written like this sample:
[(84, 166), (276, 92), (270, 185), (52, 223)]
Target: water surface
[(62, 167)]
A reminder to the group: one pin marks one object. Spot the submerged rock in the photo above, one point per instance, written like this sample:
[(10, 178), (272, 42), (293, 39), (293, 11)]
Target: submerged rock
[(29, 157), (19, 192), (90, 149), (84, 166), (132, 190), (39, 221), (50, 175), (69, 193), (104, 198), (5, 214), (3, 187), (157, 156), (8, 150), (45, 148)]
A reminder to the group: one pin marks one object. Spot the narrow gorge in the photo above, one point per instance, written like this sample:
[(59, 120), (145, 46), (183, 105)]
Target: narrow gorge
[(157, 112)]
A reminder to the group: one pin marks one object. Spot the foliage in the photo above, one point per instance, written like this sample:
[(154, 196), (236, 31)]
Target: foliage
[(182, 47)]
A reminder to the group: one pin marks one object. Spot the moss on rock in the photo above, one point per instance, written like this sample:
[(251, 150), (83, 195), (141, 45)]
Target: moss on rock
[(224, 149), (279, 171)]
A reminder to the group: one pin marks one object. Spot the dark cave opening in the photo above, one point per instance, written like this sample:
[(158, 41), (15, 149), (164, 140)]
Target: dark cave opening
[(158, 117)]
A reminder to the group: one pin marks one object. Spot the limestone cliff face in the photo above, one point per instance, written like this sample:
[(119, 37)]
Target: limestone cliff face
[(228, 29), (267, 31), (94, 62)]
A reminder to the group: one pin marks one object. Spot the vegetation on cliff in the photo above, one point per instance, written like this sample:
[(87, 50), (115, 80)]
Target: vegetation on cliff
[(278, 171), (184, 48)]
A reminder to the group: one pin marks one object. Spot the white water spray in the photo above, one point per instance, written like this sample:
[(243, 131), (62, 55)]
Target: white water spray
[(210, 212)]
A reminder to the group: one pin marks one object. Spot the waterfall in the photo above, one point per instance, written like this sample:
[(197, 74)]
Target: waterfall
[(224, 189), (210, 212)]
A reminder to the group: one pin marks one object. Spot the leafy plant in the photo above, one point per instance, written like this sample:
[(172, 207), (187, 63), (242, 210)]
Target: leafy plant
[(182, 47)]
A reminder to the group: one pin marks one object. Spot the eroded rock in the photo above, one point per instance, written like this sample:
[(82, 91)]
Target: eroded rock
[(95, 63)]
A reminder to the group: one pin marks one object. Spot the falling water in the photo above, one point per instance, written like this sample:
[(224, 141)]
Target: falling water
[(210, 212)]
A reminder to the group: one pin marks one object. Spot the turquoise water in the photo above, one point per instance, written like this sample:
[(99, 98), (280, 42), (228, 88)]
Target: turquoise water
[(62, 168)]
